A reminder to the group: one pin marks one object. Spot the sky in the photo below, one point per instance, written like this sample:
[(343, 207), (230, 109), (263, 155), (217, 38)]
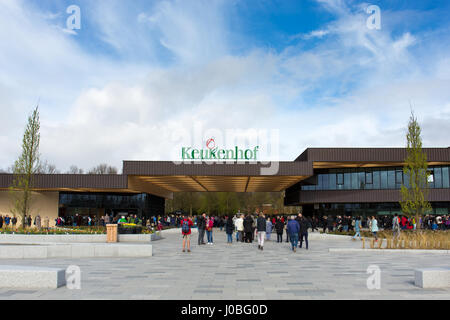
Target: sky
[(140, 79)]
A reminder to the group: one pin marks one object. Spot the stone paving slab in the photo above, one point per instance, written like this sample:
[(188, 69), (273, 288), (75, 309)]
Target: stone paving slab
[(241, 271)]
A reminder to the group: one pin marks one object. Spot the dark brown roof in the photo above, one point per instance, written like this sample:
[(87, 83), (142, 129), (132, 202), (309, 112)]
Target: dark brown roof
[(369, 154), (161, 168)]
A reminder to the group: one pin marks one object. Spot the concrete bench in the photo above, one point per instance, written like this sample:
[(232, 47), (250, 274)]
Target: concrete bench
[(75, 250), (432, 277), (31, 277)]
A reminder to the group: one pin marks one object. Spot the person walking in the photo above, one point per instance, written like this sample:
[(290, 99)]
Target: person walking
[(374, 227), (396, 226), (293, 229), (14, 221), (248, 228), (106, 219), (324, 223), (261, 227), (269, 227), (8, 220), (186, 225), (201, 225), (279, 228), (239, 223), (330, 224), (229, 228), (304, 225), (357, 229), (209, 229), (1, 221), (46, 223), (37, 222), (287, 232)]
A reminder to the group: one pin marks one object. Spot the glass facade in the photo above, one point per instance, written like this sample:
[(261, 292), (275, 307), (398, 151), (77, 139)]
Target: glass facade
[(143, 204), (374, 179)]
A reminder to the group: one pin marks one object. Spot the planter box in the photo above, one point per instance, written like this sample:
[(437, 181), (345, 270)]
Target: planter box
[(79, 238), (130, 230)]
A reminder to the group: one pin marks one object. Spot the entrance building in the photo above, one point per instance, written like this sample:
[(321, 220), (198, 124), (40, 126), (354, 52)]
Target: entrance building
[(350, 181)]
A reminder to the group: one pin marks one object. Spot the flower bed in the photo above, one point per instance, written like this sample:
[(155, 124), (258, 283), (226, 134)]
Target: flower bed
[(56, 230), (129, 228), (418, 239)]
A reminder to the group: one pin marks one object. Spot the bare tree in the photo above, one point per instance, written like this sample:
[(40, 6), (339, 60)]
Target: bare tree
[(47, 168), (75, 170), (103, 169)]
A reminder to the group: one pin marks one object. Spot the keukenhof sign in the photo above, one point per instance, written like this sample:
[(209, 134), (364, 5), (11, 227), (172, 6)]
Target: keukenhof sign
[(214, 153)]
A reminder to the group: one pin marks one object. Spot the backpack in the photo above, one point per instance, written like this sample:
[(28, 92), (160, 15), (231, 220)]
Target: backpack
[(185, 226)]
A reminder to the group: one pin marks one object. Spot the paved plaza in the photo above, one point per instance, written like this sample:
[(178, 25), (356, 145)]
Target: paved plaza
[(241, 271)]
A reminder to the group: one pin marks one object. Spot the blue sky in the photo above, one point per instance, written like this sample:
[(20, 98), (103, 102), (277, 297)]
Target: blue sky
[(142, 78)]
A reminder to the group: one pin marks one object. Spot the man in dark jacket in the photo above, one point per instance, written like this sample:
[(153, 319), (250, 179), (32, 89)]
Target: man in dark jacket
[(248, 228), (261, 229), (330, 224), (293, 229), (279, 227), (201, 225), (304, 225)]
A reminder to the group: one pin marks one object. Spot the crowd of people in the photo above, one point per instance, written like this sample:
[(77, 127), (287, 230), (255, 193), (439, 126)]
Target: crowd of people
[(247, 228), (247, 223), (13, 222)]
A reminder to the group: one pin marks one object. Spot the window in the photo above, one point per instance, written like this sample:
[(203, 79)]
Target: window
[(369, 177), (347, 181), (355, 185), (406, 180), (391, 179), (361, 180), (445, 177), (376, 179), (340, 179), (332, 181), (437, 177), (319, 182), (326, 182), (383, 179), (398, 177)]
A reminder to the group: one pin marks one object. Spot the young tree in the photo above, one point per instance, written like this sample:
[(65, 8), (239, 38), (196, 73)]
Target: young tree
[(414, 191), (26, 167)]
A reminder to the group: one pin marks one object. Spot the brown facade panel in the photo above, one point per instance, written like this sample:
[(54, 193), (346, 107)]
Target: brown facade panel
[(369, 154), (154, 168)]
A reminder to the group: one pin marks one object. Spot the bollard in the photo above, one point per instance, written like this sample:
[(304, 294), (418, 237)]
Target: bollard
[(364, 243)]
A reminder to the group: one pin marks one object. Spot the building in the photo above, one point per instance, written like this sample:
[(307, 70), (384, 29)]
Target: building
[(357, 181), (365, 181)]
